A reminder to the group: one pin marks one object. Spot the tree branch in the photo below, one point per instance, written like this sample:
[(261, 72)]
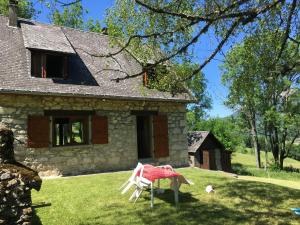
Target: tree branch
[(294, 40), (217, 49), (288, 28), (253, 12), (63, 4), (291, 144), (180, 50), (138, 36)]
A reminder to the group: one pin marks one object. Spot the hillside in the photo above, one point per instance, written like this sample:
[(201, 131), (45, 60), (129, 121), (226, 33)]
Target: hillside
[(244, 164)]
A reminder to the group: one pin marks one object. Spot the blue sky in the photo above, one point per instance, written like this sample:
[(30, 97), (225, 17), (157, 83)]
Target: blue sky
[(212, 72)]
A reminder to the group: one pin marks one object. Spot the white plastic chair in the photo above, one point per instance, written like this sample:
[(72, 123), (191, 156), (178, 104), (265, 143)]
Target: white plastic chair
[(141, 184), (132, 180)]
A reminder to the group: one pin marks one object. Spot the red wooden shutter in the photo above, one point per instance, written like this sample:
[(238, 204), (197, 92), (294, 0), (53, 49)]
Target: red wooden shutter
[(38, 130), (145, 79), (44, 62), (99, 130), (36, 64), (161, 138)]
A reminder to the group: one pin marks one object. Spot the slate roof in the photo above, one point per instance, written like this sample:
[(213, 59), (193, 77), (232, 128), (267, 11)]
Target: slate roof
[(51, 39), (88, 76), (195, 139)]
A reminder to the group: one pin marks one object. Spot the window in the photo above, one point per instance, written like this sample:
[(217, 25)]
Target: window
[(54, 66), (70, 131), (48, 65)]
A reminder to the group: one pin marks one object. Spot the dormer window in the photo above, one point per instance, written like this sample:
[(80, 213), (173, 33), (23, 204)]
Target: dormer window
[(49, 65)]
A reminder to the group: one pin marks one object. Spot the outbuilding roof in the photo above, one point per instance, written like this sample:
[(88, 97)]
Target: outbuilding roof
[(197, 138), (89, 75)]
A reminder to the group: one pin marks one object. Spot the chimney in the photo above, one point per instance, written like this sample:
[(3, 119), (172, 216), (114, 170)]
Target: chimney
[(12, 13)]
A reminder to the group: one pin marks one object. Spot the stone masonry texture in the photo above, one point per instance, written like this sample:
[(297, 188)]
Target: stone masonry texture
[(120, 152)]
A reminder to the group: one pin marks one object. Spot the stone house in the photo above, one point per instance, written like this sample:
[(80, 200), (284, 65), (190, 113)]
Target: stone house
[(207, 152), (70, 112)]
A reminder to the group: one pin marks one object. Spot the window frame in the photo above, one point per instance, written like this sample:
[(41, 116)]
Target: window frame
[(43, 61), (85, 126)]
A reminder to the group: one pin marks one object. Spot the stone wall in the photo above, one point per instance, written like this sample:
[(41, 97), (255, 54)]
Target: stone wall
[(119, 153), (16, 182)]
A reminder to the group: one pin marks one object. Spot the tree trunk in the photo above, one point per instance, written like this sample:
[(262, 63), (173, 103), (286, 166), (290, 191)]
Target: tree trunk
[(281, 158), (266, 149), (255, 142), (274, 143)]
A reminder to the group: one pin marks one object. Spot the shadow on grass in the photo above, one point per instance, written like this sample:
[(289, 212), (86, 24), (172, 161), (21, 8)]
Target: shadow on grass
[(268, 198), (291, 169), (240, 169), (248, 203), (35, 218)]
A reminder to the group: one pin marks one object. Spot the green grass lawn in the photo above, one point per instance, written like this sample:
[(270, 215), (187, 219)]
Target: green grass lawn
[(95, 199), (244, 164)]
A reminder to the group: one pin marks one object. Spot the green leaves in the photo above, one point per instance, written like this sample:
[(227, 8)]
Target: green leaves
[(25, 8), (226, 130), (71, 16), (263, 85)]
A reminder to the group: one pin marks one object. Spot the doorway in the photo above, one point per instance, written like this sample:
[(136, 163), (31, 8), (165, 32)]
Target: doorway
[(144, 137)]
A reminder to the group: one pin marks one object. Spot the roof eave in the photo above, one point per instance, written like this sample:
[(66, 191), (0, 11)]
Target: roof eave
[(10, 91)]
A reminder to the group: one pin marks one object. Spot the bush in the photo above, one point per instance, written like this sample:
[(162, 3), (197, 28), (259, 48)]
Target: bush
[(274, 166), (242, 149)]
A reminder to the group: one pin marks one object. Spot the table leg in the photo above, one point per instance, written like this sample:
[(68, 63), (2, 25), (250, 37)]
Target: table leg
[(176, 190), (152, 195)]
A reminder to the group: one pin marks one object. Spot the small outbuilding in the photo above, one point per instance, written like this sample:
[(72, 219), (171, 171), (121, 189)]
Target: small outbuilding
[(207, 152)]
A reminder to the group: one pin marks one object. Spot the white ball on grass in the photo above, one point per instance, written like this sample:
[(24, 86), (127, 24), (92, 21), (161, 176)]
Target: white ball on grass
[(209, 189)]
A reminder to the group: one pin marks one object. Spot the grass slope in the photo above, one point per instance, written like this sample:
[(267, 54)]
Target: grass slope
[(244, 164), (96, 200)]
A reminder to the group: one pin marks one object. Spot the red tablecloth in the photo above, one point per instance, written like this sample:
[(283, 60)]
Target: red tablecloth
[(152, 173)]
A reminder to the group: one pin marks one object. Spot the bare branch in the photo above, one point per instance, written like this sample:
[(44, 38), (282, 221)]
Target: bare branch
[(161, 11), (138, 36), (217, 49), (180, 50), (253, 12), (208, 17), (294, 40)]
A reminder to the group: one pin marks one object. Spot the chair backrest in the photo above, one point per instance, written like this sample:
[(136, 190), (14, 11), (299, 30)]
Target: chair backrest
[(136, 170)]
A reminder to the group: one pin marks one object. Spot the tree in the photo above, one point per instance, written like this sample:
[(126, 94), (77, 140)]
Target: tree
[(160, 79), (176, 27), (25, 8), (225, 129), (262, 87), (197, 111), (71, 15), (238, 73)]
